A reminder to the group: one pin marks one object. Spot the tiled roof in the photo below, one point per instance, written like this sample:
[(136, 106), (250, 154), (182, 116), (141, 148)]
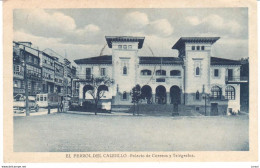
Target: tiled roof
[(104, 59), (111, 39), (183, 40), (160, 60), (107, 59), (223, 61)]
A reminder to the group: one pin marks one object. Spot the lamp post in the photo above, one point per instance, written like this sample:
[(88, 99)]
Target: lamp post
[(205, 98), (27, 110)]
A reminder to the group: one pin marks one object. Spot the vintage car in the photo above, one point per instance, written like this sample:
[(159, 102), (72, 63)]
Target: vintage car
[(19, 103)]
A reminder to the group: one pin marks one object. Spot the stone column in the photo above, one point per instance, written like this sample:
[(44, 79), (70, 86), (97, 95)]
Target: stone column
[(153, 99), (168, 98)]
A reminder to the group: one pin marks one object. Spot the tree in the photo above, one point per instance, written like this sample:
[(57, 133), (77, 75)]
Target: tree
[(136, 96), (97, 87)]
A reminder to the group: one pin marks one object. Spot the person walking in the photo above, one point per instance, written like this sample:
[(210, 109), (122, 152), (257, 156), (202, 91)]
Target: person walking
[(61, 104)]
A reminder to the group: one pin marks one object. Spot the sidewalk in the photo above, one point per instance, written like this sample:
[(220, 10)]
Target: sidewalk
[(106, 114), (40, 112)]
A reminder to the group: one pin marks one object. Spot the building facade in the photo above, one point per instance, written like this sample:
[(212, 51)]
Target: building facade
[(26, 58), (47, 64), (45, 73), (195, 79)]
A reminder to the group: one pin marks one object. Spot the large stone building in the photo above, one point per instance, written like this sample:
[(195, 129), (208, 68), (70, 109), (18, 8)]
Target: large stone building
[(195, 79)]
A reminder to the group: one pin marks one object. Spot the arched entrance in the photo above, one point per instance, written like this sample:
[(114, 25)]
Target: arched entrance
[(102, 90), (85, 89), (146, 93), (175, 93), (160, 95)]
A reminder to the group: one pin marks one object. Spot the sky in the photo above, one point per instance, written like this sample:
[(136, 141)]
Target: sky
[(80, 33)]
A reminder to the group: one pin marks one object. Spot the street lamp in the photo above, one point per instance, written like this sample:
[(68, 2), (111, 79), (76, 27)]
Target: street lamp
[(205, 96), (27, 110)]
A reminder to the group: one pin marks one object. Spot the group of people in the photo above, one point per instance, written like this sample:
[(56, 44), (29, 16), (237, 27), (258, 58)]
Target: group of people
[(61, 105)]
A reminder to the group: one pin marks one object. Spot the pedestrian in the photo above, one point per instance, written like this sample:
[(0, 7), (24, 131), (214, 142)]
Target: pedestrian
[(61, 104)]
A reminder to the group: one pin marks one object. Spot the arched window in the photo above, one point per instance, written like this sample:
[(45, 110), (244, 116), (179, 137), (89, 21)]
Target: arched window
[(230, 93), (216, 92), (197, 71), (125, 70), (160, 72), (124, 96), (146, 72), (197, 95), (175, 73)]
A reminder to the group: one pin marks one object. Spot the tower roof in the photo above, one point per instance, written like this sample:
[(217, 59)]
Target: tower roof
[(184, 40), (111, 39)]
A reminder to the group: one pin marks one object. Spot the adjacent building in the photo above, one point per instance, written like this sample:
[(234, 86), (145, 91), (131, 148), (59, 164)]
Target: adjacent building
[(44, 73), (26, 58), (47, 64)]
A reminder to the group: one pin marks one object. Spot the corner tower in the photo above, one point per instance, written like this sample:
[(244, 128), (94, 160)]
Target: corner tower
[(124, 62), (196, 54)]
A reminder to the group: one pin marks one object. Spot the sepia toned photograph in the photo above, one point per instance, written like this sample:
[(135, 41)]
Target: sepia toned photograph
[(92, 82), (130, 80)]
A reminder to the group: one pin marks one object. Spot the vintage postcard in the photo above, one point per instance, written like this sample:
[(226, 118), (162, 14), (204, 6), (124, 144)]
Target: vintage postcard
[(130, 81)]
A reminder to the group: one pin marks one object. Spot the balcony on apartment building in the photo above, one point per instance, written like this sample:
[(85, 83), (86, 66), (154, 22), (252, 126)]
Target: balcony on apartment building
[(19, 74), (236, 79), (19, 90)]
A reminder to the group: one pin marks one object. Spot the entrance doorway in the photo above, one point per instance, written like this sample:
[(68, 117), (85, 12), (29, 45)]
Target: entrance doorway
[(160, 96), (175, 93), (146, 92), (85, 89)]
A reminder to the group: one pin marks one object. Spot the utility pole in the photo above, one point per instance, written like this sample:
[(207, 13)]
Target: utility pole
[(205, 97), (205, 104), (27, 110)]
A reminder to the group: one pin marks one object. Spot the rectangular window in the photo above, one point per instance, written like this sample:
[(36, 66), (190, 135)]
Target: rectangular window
[(88, 73), (103, 71), (193, 47), (124, 70), (119, 46), (202, 48), (129, 46), (198, 47), (216, 73), (35, 61), (125, 46)]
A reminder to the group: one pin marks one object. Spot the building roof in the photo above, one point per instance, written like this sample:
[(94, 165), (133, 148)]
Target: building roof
[(183, 40), (223, 61), (160, 60), (104, 59), (107, 59), (111, 39)]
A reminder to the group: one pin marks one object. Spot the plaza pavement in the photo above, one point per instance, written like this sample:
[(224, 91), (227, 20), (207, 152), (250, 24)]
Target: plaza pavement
[(78, 132)]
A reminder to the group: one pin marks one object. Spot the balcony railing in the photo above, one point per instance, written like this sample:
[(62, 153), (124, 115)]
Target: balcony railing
[(19, 90), (19, 74), (236, 79)]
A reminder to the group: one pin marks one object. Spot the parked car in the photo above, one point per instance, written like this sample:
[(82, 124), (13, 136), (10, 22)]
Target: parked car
[(19, 103)]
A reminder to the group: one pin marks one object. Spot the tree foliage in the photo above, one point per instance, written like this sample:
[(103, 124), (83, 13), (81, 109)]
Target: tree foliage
[(97, 86), (136, 95)]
